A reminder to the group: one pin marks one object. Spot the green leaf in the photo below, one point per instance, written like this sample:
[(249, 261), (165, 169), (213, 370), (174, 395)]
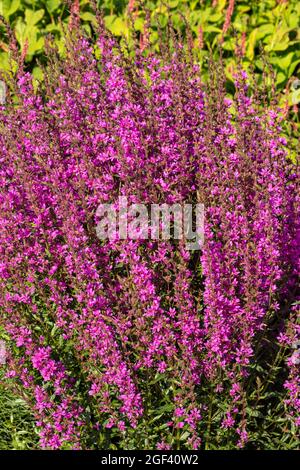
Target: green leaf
[(37, 75), (278, 46), (266, 29), (53, 28), (221, 4), (184, 436), (35, 44), (252, 43), (293, 66), (215, 18), (139, 24), (284, 62), (33, 17), (4, 60), (294, 97), (243, 9), (293, 20), (280, 78), (173, 3), (163, 409), (108, 20), (212, 29), (193, 5), (20, 29), (118, 27)]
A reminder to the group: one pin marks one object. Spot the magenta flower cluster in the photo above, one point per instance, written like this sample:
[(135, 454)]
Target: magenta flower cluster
[(108, 335)]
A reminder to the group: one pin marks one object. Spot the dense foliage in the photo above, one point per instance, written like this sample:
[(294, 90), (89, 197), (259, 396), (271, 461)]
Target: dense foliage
[(140, 343), (17, 429)]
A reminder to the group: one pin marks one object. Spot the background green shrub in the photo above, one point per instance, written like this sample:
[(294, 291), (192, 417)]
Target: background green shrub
[(272, 24)]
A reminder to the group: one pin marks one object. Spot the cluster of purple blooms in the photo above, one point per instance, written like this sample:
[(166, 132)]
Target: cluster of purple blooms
[(98, 328)]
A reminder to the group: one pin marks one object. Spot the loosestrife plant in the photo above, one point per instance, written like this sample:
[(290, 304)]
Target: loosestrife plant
[(142, 343)]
